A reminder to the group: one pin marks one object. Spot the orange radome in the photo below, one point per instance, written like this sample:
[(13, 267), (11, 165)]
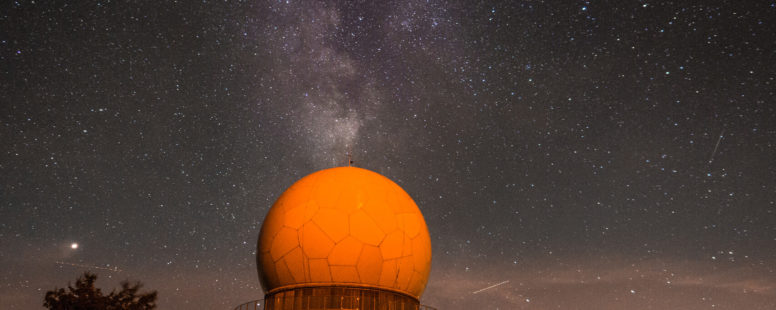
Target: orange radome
[(344, 226)]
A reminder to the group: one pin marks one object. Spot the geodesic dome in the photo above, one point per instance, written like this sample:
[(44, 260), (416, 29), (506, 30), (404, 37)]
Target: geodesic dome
[(344, 226)]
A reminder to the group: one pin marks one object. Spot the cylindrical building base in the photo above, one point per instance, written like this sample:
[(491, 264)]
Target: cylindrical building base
[(338, 297)]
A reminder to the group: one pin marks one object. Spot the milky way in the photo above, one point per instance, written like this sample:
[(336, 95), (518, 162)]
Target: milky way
[(581, 155), (326, 89)]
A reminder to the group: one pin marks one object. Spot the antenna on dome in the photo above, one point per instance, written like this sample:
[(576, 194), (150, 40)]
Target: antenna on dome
[(350, 156)]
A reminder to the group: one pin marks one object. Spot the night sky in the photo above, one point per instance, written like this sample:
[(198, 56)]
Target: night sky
[(595, 154)]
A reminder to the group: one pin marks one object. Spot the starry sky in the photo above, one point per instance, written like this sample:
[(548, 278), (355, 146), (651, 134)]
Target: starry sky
[(594, 154)]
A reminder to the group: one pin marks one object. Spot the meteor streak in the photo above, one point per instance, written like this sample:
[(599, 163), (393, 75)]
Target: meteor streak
[(721, 134), (114, 269), (490, 287)]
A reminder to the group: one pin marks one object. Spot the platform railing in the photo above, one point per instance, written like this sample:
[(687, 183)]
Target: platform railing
[(252, 305), (259, 305)]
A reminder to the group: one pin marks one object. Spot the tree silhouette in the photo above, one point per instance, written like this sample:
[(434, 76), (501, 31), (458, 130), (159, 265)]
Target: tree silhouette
[(85, 296)]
